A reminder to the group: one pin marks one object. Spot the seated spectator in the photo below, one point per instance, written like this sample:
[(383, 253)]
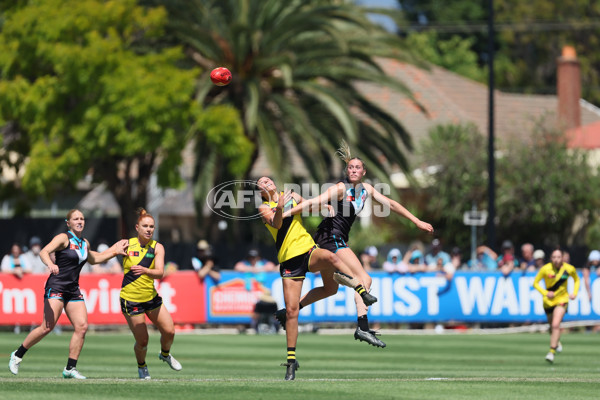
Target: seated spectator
[(15, 262), (456, 259), (112, 266), (507, 260), (368, 258), (395, 263), (414, 257), (204, 263), (33, 256), (527, 259), (255, 267), (539, 259), (433, 257), (263, 316), (171, 267), (590, 267), (485, 261), (566, 257)]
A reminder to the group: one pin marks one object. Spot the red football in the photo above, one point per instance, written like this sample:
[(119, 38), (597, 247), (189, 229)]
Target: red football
[(220, 76)]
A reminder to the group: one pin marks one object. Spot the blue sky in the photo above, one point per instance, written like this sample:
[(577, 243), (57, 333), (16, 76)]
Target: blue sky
[(388, 23)]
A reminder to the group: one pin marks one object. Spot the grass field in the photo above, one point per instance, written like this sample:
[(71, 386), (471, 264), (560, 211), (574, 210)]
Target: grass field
[(331, 367)]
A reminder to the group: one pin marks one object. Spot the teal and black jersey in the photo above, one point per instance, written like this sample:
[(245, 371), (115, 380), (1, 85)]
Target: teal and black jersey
[(69, 260)]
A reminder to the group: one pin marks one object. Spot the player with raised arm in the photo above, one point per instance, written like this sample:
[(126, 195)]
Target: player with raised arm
[(297, 255), (348, 198)]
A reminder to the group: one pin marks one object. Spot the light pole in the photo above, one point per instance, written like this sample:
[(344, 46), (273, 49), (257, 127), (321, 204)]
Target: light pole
[(491, 228)]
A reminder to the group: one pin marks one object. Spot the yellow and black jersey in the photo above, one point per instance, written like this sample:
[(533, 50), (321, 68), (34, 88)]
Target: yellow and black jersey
[(138, 288), (556, 281), (291, 239)]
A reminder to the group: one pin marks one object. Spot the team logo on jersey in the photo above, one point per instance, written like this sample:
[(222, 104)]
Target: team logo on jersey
[(134, 254), (357, 202), (73, 246)]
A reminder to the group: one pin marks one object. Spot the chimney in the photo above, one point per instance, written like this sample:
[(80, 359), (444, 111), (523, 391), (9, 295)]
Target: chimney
[(569, 89)]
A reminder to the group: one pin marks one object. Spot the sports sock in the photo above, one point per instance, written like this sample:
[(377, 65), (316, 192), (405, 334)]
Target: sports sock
[(359, 289), (142, 365), (363, 323), (20, 351), (291, 354), (553, 350), (164, 353), (71, 363)]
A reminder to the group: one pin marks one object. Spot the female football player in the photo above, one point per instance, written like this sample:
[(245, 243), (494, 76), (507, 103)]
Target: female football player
[(297, 255), (348, 198), (556, 297), (71, 252), (145, 262)]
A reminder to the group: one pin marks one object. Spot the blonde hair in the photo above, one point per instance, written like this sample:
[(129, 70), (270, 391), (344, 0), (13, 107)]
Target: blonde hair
[(344, 153)]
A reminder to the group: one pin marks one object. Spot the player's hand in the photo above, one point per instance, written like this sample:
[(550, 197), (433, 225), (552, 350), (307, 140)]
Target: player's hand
[(120, 247), (138, 270), (283, 200), (550, 295), (53, 269), (572, 296), (424, 226), (330, 211)]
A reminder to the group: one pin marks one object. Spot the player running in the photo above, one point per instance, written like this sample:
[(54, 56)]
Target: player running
[(556, 297)]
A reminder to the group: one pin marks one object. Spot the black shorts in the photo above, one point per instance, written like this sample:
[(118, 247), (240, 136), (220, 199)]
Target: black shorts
[(64, 295), (296, 267), (550, 310), (135, 308), (330, 242)]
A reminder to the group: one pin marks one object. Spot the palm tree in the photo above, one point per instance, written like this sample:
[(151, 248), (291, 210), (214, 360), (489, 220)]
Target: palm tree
[(295, 67)]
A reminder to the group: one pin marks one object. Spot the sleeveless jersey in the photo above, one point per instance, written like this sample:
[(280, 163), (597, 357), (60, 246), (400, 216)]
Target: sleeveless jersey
[(291, 239), (556, 281), (138, 288), (351, 204), (69, 260)]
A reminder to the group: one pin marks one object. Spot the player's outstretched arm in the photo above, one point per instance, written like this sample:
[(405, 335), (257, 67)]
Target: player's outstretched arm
[(316, 202), (397, 208)]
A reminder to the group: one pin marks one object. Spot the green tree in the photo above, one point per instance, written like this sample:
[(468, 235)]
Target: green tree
[(454, 54), (529, 37), (82, 94), (528, 51), (544, 190), (296, 65), (457, 154)]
